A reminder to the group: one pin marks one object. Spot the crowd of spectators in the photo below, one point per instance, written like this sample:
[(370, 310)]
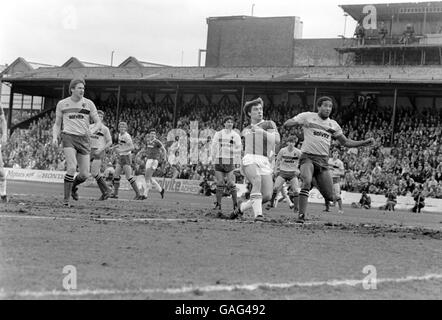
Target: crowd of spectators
[(399, 165)]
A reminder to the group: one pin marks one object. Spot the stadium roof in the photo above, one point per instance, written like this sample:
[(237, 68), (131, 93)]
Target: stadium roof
[(20, 65), (382, 74), (385, 11), (134, 62)]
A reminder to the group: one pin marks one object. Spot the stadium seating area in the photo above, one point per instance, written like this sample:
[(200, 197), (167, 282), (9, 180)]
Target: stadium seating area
[(413, 158)]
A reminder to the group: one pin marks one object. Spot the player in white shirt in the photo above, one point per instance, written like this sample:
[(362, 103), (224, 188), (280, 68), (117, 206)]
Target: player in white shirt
[(260, 138), (287, 170), (124, 162), (101, 140), (226, 155), (337, 172), (74, 115), (3, 140), (319, 130)]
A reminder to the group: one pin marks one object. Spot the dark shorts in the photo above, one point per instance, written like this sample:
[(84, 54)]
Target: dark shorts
[(95, 156), (320, 163), (82, 144), (124, 160), (224, 168), (288, 176)]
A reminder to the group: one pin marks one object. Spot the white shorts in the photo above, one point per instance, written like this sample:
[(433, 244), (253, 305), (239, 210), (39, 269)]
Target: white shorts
[(152, 164), (262, 162), (337, 189)]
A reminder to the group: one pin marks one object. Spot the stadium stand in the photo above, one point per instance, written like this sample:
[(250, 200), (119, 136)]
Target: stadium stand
[(414, 160)]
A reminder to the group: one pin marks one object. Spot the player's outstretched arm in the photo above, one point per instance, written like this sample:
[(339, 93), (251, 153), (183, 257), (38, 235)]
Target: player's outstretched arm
[(107, 138), (349, 143), (271, 134), (98, 125), (292, 122)]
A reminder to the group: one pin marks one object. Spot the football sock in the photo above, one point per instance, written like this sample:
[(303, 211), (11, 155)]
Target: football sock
[(155, 184), (68, 180), (116, 183), (256, 203), (78, 180), (219, 194), (133, 183), (303, 200), (272, 201)]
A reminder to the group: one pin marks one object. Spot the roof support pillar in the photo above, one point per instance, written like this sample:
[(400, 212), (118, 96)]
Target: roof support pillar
[(117, 118), (241, 113), (314, 99), (11, 104), (175, 106), (393, 118)]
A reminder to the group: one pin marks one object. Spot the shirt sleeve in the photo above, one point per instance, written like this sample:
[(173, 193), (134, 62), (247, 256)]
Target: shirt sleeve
[(337, 130), (301, 118)]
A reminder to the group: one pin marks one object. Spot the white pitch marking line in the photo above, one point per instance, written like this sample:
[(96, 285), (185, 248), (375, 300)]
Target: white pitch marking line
[(34, 217), (215, 288), (100, 219)]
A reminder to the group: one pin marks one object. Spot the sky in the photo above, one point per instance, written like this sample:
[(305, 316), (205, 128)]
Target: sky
[(160, 31)]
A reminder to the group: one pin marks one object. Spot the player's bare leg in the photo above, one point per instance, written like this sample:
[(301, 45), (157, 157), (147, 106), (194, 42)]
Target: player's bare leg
[(151, 182), (286, 196), (95, 172), (294, 194), (325, 185), (83, 161), (279, 182), (256, 197), (116, 181), (266, 187), (337, 197)]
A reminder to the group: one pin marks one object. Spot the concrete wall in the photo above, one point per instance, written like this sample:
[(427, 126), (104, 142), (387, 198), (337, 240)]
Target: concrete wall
[(250, 41)]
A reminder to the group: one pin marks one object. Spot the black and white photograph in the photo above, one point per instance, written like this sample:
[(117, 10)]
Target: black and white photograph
[(230, 152)]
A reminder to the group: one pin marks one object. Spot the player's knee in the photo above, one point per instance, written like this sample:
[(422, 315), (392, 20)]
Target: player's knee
[(306, 184), (256, 180), (95, 172), (71, 171), (83, 176), (2, 174), (329, 197), (266, 196)]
